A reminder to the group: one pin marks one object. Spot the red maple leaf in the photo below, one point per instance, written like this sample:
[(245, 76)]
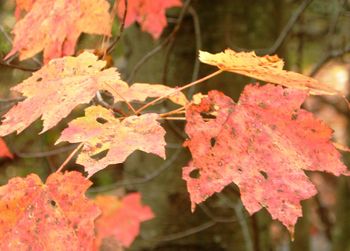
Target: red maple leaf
[(51, 216), (57, 88), (150, 14), (55, 26), (262, 144), (120, 219)]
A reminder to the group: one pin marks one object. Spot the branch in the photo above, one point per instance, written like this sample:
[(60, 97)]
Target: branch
[(167, 164), (287, 28), (327, 57), (183, 234), (45, 154), (115, 92), (121, 29), (11, 100), (69, 157), (180, 110), (238, 208), (8, 38), (18, 67), (198, 39), (162, 44), (218, 219), (179, 89)]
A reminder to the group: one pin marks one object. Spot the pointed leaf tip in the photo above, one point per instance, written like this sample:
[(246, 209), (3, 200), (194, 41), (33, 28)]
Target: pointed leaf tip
[(262, 144)]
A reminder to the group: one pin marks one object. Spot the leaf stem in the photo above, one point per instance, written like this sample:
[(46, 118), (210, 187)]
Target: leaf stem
[(179, 89), (127, 102), (69, 157), (181, 118), (176, 111), (173, 118)]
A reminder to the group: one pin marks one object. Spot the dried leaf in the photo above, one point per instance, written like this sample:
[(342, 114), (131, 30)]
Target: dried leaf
[(99, 130), (120, 219), (51, 216), (57, 88), (266, 68), (262, 144), (73, 17), (150, 14)]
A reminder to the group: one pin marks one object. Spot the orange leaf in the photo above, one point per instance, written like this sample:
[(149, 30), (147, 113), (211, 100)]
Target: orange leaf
[(4, 150), (56, 89), (120, 220), (262, 144), (55, 26), (99, 130), (51, 216), (266, 68), (150, 14)]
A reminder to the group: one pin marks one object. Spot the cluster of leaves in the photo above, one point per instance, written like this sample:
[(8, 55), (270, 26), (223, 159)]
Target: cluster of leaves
[(262, 143)]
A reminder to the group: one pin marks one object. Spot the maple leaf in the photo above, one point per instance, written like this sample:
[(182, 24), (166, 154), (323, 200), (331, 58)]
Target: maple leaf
[(99, 130), (150, 14), (4, 150), (55, 26), (266, 68), (57, 88), (142, 91), (51, 216), (262, 144), (120, 219)]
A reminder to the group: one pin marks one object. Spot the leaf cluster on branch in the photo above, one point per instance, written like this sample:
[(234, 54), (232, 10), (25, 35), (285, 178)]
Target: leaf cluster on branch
[(263, 143)]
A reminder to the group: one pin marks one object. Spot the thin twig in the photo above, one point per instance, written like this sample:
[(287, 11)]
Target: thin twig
[(162, 44), (287, 28), (137, 181), (238, 208), (69, 157), (173, 118), (11, 100), (8, 38), (117, 94), (102, 102), (198, 39), (18, 67), (327, 57), (171, 46), (218, 219), (324, 217), (179, 89), (121, 30), (44, 154), (180, 110), (178, 132), (256, 232), (183, 234)]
